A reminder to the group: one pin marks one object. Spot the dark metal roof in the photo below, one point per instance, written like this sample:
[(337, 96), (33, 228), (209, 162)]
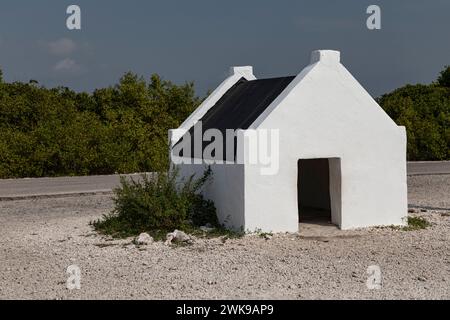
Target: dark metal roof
[(241, 105)]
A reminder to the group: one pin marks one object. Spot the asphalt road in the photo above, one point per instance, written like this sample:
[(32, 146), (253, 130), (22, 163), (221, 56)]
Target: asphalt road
[(54, 187), (11, 189), (428, 167)]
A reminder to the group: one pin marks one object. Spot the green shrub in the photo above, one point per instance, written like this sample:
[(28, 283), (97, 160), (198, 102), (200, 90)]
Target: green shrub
[(158, 203), (416, 223)]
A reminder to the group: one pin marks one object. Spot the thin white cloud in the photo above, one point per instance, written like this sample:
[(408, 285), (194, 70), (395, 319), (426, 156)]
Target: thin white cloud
[(62, 47), (67, 66)]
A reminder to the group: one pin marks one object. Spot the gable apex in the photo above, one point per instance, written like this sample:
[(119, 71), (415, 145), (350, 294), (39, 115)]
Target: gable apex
[(326, 56), (243, 71)]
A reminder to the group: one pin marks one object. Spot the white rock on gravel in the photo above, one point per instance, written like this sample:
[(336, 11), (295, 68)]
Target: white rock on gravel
[(268, 236), (144, 239), (177, 236)]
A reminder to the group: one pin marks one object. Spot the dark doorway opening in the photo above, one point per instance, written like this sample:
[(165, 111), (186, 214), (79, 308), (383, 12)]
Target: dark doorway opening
[(313, 190)]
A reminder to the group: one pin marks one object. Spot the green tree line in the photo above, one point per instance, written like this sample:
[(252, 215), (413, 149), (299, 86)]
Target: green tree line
[(425, 112), (123, 128), (119, 129)]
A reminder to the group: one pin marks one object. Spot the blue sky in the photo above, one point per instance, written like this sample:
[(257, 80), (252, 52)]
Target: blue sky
[(198, 40)]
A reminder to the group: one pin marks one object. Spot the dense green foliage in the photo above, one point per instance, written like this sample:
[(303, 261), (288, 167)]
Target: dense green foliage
[(425, 112), (122, 129), (157, 204), (444, 77), (51, 132)]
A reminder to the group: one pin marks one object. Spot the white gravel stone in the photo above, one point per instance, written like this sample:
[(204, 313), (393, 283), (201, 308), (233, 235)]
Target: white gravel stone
[(177, 236), (143, 239), (268, 236)]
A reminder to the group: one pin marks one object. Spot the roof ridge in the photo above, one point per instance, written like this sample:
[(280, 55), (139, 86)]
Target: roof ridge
[(272, 78)]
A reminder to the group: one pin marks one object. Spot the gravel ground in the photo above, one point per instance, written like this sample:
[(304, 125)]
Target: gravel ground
[(41, 238)]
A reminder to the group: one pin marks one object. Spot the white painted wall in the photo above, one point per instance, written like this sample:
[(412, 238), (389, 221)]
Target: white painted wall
[(325, 113), (226, 190)]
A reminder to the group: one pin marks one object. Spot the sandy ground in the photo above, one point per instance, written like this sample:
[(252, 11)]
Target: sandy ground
[(39, 239)]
